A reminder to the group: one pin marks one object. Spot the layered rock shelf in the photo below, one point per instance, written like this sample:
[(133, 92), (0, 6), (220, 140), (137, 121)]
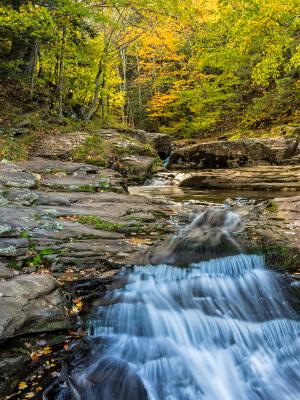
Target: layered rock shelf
[(267, 178), (236, 154)]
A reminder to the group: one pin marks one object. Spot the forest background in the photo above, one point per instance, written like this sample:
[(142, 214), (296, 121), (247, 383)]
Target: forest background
[(190, 68)]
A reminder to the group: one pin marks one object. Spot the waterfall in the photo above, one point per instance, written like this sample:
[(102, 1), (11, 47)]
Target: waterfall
[(215, 329)]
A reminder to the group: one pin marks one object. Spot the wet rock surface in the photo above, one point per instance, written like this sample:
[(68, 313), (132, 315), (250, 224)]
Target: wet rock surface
[(30, 303), (273, 229), (236, 154)]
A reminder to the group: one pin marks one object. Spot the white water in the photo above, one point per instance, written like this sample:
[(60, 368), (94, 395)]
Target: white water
[(217, 330)]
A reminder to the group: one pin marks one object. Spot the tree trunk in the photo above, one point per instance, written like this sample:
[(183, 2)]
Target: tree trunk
[(91, 111), (61, 75), (124, 82), (103, 101), (33, 68)]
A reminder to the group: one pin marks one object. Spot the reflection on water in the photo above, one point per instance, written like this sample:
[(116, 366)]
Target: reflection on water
[(166, 186), (178, 194)]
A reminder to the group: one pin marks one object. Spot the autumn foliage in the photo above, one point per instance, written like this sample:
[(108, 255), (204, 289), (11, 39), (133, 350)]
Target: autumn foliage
[(189, 68)]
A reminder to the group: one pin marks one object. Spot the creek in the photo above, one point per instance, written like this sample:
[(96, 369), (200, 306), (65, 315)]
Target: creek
[(213, 329)]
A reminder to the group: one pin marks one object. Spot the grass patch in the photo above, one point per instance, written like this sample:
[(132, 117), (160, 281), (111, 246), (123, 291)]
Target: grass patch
[(16, 149), (87, 188), (98, 223), (93, 151)]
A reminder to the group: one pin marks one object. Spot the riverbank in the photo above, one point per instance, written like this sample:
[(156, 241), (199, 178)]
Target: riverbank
[(67, 228)]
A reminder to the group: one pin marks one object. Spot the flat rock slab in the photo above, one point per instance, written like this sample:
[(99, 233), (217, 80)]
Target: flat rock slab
[(84, 181), (30, 303), (235, 154), (11, 247), (44, 166), (104, 253), (270, 178), (16, 219), (13, 176), (59, 146)]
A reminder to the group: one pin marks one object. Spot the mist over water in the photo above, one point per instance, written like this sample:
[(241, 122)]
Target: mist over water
[(217, 329)]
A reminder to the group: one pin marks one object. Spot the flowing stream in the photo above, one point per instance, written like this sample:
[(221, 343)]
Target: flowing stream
[(219, 329)]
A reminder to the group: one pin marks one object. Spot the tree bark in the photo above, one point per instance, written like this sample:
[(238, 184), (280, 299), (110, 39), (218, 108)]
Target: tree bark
[(91, 111), (33, 68), (124, 82), (61, 75)]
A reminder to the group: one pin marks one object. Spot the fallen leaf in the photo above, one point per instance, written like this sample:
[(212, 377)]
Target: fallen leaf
[(47, 350), (22, 385)]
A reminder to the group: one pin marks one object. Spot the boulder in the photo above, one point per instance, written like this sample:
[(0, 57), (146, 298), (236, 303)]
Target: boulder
[(138, 168), (30, 303), (161, 142), (235, 154)]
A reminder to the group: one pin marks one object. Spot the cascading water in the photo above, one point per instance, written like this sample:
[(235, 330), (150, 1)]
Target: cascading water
[(218, 329)]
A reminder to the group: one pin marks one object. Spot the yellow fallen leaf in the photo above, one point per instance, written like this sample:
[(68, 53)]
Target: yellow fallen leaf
[(22, 385), (39, 389), (47, 350), (74, 310), (79, 305)]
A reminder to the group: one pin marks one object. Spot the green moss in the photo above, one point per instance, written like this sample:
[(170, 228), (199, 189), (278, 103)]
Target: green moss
[(26, 235), (99, 223), (272, 207), (157, 165), (87, 188), (46, 252), (38, 259), (104, 186)]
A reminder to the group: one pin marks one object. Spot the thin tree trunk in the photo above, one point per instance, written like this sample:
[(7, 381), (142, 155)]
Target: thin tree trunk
[(61, 75), (103, 101), (41, 65), (139, 89), (124, 83), (34, 63), (91, 111)]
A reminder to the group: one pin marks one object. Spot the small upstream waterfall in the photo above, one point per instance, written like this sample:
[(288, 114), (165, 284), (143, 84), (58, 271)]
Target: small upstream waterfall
[(218, 329)]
